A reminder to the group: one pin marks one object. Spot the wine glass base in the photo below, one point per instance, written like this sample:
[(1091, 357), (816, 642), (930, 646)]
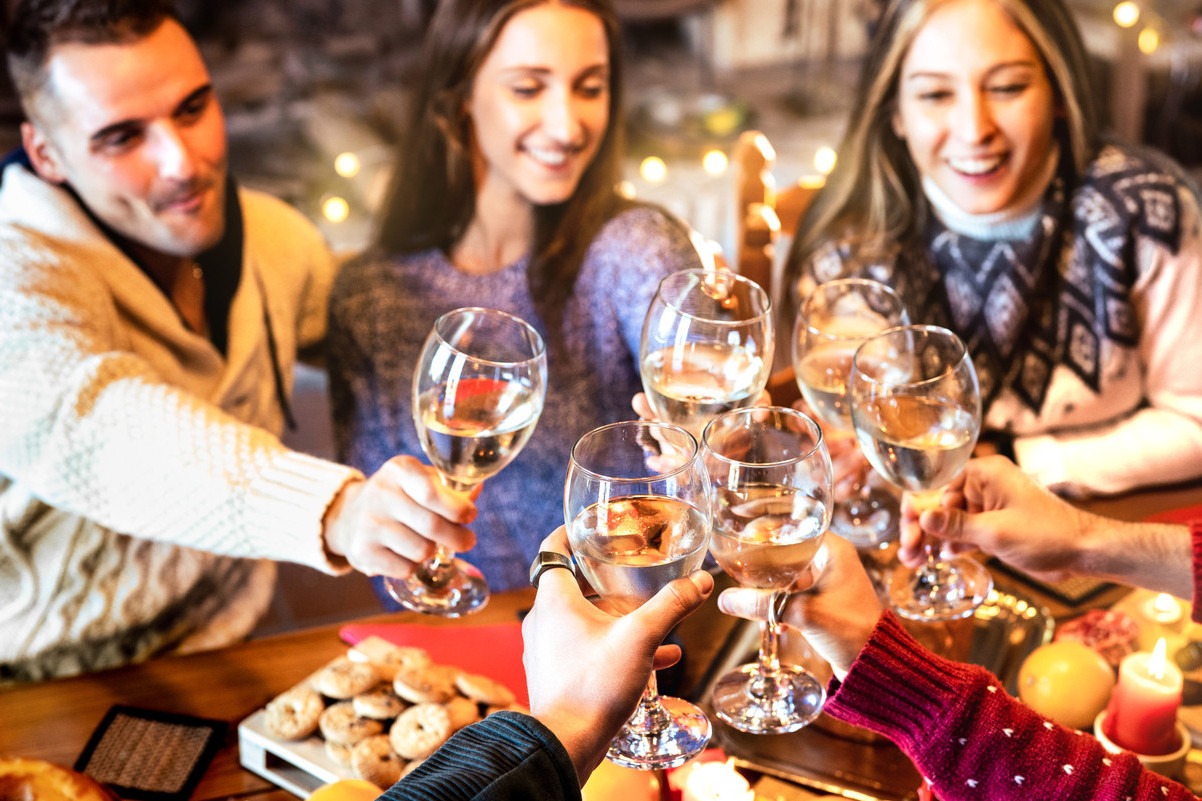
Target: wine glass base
[(794, 703), (948, 590), (686, 735), (869, 522), (465, 593)]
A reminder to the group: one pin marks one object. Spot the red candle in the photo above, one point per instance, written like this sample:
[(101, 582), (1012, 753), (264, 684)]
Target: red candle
[(1142, 715)]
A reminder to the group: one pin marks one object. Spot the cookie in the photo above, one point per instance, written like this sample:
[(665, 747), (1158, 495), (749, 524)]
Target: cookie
[(387, 658), (293, 714), (340, 753), (432, 684), (462, 712), (379, 703), (340, 724), (484, 690), (374, 760), (420, 730), (344, 678)]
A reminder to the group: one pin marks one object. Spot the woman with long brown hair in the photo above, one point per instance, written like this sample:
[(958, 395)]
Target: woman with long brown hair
[(504, 195)]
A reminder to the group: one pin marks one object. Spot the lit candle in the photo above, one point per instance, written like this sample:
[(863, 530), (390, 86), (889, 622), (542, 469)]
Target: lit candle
[(1163, 609), (1142, 715), (716, 781)]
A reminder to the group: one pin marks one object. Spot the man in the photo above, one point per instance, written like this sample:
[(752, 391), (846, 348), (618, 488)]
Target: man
[(150, 315)]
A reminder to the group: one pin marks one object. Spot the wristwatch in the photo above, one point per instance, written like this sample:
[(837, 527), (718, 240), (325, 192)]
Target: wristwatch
[(548, 560)]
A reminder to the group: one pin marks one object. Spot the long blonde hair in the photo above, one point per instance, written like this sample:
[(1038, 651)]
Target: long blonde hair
[(873, 199)]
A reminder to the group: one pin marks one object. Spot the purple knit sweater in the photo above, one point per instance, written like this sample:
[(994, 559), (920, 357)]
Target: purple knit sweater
[(971, 740)]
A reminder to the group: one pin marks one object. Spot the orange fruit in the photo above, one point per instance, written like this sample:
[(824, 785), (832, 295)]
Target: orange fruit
[(1066, 681), (346, 790)]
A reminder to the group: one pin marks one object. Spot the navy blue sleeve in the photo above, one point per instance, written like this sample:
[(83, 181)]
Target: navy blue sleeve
[(505, 756)]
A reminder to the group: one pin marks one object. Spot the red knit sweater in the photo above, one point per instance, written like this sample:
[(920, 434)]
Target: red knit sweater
[(973, 741)]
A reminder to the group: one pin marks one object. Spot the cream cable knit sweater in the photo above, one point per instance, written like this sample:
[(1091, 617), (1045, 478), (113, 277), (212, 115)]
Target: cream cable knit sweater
[(142, 482)]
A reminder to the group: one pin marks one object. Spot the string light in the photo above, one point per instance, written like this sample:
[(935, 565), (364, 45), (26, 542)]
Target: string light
[(824, 160), (653, 169), (347, 165), (335, 209), (714, 162), (1148, 41), (1126, 14)]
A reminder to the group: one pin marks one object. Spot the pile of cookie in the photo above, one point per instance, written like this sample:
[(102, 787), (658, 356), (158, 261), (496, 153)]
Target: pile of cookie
[(383, 708)]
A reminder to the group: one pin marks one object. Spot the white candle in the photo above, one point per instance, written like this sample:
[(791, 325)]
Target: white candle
[(716, 781), (1163, 609)]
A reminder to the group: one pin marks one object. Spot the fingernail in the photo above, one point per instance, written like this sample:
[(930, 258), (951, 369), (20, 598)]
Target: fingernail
[(703, 581), (935, 520)]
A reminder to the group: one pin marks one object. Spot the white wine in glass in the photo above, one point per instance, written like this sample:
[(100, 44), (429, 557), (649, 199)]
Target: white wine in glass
[(706, 346), (634, 528), (834, 319), (916, 406), (773, 494), (477, 394)]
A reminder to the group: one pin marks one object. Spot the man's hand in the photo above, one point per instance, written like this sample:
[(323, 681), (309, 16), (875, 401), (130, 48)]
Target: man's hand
[(586, 669), (393, 521)]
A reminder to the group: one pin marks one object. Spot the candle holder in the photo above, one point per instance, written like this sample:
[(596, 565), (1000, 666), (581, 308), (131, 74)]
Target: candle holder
[(1170, 765)]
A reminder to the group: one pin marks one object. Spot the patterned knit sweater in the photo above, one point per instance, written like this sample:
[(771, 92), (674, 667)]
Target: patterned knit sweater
[(140, 469), (1088, 342), (382, 308)]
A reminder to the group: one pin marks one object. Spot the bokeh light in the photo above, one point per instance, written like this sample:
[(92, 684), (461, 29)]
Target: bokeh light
[(1126, 14), (335, 209), (653, 169), (714, 162), (824, 160), (347, 165)]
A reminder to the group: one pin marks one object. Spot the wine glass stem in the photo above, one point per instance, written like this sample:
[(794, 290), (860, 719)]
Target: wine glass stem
[(444, 558), (764, 684), (649, 717)]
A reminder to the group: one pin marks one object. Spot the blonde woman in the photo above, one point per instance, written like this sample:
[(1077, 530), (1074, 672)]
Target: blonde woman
[(970, 179)]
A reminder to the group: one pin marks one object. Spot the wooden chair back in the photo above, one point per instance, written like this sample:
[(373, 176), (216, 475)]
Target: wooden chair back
[(764, 214)]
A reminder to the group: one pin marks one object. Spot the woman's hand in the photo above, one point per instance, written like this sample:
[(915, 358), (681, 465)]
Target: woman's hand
[(836, 611)]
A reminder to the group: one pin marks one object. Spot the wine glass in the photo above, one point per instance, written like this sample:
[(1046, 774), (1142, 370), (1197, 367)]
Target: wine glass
[(633, 528), (834, 320), (916, 407), (706, 346), (772, 504), (477, 394)]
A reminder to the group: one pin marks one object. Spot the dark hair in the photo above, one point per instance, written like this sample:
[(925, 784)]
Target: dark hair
[(432, 196), (38, 25), (874, 196)]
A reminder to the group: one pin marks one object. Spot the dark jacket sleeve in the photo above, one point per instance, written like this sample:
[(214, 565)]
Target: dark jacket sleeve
[(505, 756)]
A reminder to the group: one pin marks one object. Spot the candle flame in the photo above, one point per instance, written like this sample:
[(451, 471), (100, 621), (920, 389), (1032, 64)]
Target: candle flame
[(1164, 603), (1159, 661)]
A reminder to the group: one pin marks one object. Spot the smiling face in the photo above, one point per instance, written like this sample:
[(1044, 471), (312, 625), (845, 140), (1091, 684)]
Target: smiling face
[(136, 131), (539, 104), (975, 105)]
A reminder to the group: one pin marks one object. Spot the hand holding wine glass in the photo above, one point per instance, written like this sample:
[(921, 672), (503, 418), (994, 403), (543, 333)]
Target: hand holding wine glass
[(772, 480), (633, 529), (916, 407), (477, 394), (835, 318), (706, 346)]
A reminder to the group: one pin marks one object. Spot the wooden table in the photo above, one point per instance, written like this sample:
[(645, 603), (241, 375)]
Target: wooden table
[(53, 720)]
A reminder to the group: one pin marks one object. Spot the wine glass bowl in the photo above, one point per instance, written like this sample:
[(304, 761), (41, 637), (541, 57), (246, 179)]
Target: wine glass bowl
[(916, 407), (833, 321), (635, 525), (477, 394), (706, 346), (773, 497)]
